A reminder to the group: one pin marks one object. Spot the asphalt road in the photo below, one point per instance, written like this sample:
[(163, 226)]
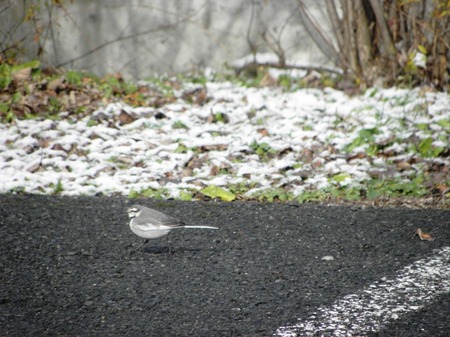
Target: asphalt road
[(69, 266)]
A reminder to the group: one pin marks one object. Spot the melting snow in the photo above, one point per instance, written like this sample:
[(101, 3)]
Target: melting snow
[(302, 138)]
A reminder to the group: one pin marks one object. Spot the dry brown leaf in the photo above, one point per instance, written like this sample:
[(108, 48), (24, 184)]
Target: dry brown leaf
[(263, 132), (186, 172), (22, 75), (359, 155), (196, 95), (59, 147), (211, 118), (215, 170), (57, 83), (126, 118), (72, 97), (268, 81), (424, 236), (36, 168), (196, 162), (124, 160), (214, 147), (403, 166), (442, 188), (284, 151), (45, 142)]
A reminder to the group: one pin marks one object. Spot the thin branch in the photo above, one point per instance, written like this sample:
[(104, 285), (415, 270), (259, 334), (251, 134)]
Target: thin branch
[(122, 38), (317, 35), (252, 46), (252, 65), (51, 30), (335, 22), (5, 8), (285, 25), (275, 45)]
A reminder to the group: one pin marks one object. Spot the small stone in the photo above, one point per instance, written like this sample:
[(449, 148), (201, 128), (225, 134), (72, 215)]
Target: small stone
[(328, 258)]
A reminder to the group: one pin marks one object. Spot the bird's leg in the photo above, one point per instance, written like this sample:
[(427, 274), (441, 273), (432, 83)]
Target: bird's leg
[(142, 245)]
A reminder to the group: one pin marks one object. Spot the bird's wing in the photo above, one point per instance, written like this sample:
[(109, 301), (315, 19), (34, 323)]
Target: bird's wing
[(155, 222), (172, 223), (164, 220)]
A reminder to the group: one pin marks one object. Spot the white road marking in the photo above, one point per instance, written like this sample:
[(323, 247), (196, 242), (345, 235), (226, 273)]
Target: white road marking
[(380, 303)]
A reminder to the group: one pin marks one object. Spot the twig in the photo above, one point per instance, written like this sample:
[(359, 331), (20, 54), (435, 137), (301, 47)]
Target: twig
[(252, 46), (126, 37), (289, 66)]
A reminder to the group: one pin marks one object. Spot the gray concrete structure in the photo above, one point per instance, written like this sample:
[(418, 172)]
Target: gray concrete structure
[(142, 37)]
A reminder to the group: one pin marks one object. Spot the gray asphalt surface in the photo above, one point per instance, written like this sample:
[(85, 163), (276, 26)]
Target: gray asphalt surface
[(69, 266)]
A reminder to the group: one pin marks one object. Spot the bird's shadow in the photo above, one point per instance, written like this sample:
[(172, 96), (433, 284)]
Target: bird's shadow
[(157, 250)]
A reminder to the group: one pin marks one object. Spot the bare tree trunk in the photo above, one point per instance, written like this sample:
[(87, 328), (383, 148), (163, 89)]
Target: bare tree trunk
[(386, 45), (349, 52), (364, 43)]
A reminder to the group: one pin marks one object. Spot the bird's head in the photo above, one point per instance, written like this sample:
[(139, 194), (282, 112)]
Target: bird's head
[(134, 211)]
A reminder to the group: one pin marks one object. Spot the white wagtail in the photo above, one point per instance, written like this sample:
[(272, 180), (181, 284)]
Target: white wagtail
[(151, 224)]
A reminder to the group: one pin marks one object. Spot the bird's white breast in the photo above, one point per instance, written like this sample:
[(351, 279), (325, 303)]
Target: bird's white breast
[(147, 232)]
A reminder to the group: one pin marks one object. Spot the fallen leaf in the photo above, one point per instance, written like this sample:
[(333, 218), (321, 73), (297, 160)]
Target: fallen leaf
[(196, 162), (424, 236), (58, 147), (125, 117), (285, 151), (213, 191), (22, 75), (196, 96), (403, 166), (359, 155), (215, 170), (268, 81), (35, 168), (214, 147), (263, 132), (57, 83)]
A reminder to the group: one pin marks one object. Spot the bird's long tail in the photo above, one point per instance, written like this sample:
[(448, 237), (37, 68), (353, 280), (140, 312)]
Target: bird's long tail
[(205, 227)]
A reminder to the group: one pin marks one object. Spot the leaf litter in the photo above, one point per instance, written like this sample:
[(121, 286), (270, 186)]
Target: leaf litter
[(241, 141)]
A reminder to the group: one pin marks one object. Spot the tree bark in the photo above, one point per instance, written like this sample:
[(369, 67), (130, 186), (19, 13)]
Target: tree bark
[(364, 43), (388, 44), (349, 51)]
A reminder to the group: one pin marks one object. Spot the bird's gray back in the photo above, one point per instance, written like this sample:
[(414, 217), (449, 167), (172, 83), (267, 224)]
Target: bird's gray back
[(157, 217)]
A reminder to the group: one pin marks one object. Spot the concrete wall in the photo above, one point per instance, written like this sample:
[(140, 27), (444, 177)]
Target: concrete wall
[(142, 37)]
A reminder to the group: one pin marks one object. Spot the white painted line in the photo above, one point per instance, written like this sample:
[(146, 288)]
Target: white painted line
[(380, 303)]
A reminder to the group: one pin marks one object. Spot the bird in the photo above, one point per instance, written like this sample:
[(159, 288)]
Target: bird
[(149, 223)]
